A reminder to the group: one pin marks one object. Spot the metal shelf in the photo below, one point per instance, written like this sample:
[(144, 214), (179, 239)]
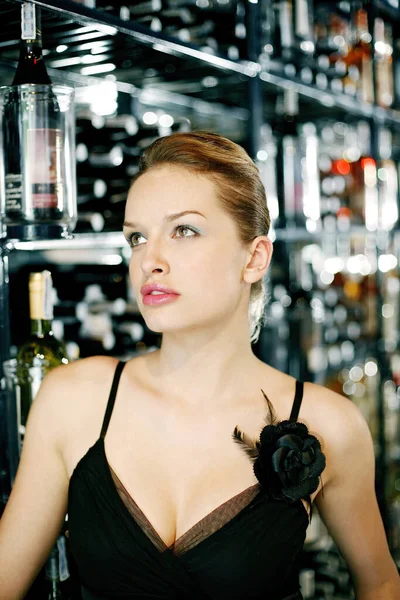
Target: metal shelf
[(348, 104), (116, 239), (79, 241), (112, 25), (232, 74)]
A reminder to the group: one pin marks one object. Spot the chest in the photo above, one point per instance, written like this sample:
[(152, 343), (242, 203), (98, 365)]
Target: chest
[(173, 467), (249, 555), (178, 470)]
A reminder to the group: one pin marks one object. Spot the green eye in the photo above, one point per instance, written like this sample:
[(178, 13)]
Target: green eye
[(131, 236), (188, 228)]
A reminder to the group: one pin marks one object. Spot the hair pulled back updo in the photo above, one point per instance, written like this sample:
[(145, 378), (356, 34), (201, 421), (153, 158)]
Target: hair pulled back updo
[(239, 190)]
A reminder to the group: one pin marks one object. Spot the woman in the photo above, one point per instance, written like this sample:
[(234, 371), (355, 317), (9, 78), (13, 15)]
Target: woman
[(183, 498)]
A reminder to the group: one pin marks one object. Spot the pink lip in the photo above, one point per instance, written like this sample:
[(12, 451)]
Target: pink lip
[(159, 287), (151, 300)]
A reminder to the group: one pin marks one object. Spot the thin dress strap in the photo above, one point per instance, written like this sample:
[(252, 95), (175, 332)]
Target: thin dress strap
[(111, 398), (297, 400)]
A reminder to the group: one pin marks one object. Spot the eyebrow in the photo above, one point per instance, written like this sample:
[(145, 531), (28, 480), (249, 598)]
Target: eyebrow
[(168, 218)]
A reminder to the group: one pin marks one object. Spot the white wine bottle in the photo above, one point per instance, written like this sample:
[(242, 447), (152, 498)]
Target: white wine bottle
[(42, 351)]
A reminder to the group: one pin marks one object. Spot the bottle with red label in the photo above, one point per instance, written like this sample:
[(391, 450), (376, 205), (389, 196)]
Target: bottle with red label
[(39, 141)]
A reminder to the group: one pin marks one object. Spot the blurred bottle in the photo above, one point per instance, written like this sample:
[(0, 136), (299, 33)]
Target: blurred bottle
[(348, 175), (89, 222), (274, 336), (266, 163), (91, 188), (359, 58), (96, 326), (331, 178), (383, 63), (143, 8), (294, 35), (387, 181), (268, 33), (332, 33), (88, 3), (95, 199), (311, 201), (289, 175), (56, 572), (364, 193), (307, 583)]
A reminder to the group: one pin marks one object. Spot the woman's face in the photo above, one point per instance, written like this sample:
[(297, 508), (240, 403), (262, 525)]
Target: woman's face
[(197, 255)]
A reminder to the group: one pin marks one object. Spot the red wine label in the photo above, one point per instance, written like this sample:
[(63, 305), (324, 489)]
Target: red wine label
[(13, 192), (44, 147)]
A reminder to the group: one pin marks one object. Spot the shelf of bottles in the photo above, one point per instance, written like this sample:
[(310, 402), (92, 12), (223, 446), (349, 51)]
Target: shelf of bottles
[(312, 91), (340, 53)]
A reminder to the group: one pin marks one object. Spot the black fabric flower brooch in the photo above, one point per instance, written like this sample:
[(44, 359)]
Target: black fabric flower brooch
[(287, 459)]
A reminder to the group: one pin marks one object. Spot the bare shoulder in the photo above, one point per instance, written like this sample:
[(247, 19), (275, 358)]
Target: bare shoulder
[(92, 370), (69, 392), (347, 504), (332, 418), (340, 426), (336, 416)]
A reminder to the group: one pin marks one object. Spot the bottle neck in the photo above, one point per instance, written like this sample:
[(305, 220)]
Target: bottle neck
[(361, 33), (41, 327), (31, 67), (291, 104)]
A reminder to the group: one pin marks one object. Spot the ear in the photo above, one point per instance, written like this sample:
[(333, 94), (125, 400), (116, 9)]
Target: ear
[(258, 259)]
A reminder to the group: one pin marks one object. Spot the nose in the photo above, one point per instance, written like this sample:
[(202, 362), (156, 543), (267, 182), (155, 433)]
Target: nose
[(153, 258)]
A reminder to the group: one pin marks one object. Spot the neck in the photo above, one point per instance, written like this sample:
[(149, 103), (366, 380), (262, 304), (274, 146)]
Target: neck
[(209, 373), (41, 327)]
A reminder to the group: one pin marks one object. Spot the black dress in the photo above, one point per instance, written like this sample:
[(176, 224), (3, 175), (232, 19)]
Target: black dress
[(247, 548)]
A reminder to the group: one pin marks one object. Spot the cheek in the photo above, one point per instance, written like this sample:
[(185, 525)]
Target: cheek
[(212, 269), (134, 275), (226, 263), (216, 271)]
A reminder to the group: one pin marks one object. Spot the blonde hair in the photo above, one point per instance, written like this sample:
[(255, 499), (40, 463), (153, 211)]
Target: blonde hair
[(239, 189)]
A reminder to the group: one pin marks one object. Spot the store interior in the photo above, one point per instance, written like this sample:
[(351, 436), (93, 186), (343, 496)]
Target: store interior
[(311, 90)]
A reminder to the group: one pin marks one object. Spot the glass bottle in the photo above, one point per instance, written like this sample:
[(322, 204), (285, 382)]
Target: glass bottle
[(359, 57), (38, 130), (42, 351)]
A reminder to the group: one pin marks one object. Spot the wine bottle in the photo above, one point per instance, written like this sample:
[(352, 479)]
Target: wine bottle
[(360, 53), (54, 588), (294, 35), (266, 163), (383, 37), (388, 184), (42, 351), (35, 182), (290, 182)]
